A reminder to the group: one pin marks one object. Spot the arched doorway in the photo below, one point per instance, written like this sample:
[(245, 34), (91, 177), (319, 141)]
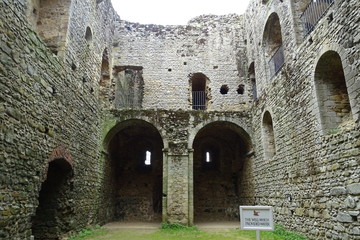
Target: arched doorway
[(53, 213), (136, 159), (222, 172)]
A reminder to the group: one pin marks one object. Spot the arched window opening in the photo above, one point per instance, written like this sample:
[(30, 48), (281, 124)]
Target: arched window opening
[(88, 34), (331, 90), (51, 19), (199, 91), (273, 45), (252, 78), (268, 136), (104, 83), (53, 213)]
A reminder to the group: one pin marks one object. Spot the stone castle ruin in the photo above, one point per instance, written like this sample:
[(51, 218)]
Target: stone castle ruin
[(107, 120)]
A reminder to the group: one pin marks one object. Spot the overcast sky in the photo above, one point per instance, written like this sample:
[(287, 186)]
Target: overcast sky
[(168, 12)]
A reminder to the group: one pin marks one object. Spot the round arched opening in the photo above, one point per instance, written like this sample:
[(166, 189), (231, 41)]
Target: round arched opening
[(135, 153), (52, 218), (331, 91), (222, 174)]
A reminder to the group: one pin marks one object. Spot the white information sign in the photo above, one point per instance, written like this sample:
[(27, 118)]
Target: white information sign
[(256, 218)]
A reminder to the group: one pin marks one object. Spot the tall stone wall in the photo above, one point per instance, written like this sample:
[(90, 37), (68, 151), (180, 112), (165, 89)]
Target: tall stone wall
[(312, 180), (297, 139), (50, 111), (169, 55)]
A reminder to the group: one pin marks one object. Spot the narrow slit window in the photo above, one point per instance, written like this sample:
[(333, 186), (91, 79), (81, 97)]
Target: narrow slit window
[(148, 158), (207, 157)]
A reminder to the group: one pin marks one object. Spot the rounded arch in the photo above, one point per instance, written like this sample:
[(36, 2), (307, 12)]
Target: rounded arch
[(221, 171), (235, 124), (272, 34), (54, 207), (335, 102), (104, 81), (135, 168), (340, 50), (350, 73), (273, 44), (268, 135), (118, 126)]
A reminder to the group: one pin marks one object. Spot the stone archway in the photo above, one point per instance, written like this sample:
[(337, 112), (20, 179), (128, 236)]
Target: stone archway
[(54, 210), (135, 153), (222, 172)]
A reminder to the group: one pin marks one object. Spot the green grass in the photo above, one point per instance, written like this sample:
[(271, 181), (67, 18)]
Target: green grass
[(179, 232)]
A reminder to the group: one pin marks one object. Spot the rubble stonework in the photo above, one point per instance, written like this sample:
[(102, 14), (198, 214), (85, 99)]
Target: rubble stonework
[(253, 109)]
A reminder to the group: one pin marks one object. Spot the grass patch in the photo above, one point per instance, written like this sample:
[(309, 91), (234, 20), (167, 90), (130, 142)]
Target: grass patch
[(280, 231), (89, 232), (170, 231)]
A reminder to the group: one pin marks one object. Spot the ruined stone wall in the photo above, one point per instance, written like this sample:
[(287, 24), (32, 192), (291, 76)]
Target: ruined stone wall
[(313, 178), (50, 102), (212, 45), (179, 130)]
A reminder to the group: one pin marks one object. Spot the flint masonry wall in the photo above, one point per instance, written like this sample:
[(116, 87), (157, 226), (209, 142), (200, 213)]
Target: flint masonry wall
[(50, 111), (313, 178), (212, 45)]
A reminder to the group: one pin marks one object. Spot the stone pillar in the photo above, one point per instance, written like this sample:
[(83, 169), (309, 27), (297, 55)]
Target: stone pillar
[(191, 186), (177, 195), (165, 185)]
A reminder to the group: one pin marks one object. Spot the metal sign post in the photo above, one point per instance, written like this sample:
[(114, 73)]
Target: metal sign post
[(258, 218)]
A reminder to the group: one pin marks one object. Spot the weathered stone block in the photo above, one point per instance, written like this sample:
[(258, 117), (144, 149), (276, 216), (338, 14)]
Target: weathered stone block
[(353, 189), (344, 217), (337, 191)]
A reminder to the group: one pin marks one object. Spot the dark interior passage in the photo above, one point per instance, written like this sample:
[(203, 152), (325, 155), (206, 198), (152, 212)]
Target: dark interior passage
[(136, 156), (220, 167), (54, 211)]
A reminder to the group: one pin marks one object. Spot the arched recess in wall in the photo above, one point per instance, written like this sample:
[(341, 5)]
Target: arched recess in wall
[(252, 78), (268, 136), (221, 171), (273, 44), (331, 91), (104, 83), (88, 34), (51, 20), (135, 171), (53, 214), (200, 93)]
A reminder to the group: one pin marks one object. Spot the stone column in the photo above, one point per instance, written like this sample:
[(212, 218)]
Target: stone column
[(177, 194), (191, 186), (165, 185)]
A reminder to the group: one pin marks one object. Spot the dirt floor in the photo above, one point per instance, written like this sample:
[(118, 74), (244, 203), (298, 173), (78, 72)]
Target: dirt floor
[(206, 226)]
